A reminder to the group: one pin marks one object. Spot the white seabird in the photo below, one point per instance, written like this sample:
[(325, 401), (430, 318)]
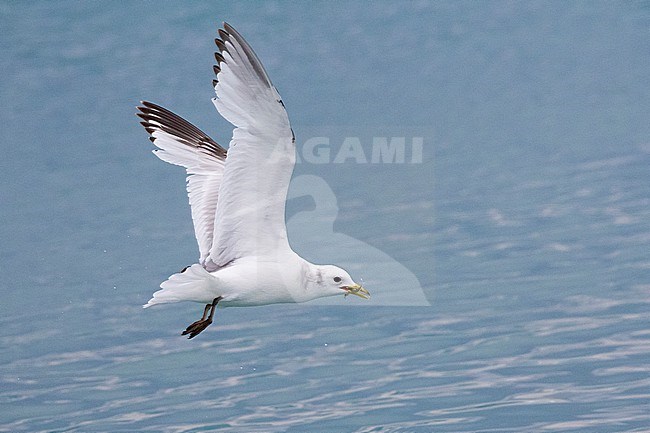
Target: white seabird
[(237, 197)]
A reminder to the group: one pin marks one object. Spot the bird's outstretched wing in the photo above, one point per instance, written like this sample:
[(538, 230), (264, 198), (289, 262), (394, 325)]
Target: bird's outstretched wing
[(261, 156), (181, 143)]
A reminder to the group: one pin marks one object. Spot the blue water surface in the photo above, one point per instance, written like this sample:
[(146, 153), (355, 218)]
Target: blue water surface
[(526, 222)]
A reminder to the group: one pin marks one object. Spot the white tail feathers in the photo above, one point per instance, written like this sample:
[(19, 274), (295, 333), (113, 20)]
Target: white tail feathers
[(193, 284)]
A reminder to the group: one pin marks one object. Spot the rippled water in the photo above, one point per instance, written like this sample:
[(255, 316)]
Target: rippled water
[(526, 225)]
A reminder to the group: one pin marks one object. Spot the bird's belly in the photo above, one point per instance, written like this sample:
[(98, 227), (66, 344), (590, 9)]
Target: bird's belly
[(258, 283), (256, 297)]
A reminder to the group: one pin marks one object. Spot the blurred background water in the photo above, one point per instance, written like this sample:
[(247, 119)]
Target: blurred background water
[(527, 223)]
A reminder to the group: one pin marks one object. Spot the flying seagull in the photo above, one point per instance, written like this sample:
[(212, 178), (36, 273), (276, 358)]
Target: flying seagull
[(237, 196)]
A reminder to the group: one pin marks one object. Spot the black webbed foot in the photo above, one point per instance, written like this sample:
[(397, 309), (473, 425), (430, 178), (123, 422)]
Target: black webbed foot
[(197, 327)]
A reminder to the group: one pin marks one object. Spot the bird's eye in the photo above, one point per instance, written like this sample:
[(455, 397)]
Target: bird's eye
[(337, 279)]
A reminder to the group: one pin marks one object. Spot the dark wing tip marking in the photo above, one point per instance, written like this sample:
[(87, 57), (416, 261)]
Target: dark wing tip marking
[(230, 29), (220, 45), (223, 35), (226, 35), (156, 118), (219, 58)]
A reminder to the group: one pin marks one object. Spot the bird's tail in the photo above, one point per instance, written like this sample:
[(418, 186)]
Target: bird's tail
[(191, 284)]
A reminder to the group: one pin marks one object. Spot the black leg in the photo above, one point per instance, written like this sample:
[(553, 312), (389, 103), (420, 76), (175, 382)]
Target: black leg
[(197, 327), (207, 308)]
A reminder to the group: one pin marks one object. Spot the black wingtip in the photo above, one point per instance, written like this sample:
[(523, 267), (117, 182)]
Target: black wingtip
[(228, 28), (220, 44), (157, 118), (140, 108)]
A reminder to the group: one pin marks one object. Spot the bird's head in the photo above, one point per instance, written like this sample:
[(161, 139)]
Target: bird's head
[(336, 281)]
